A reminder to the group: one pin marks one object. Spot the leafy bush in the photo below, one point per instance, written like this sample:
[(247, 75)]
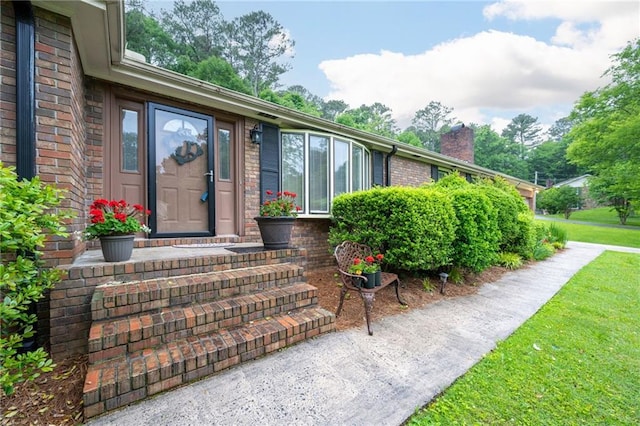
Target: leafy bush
[(557, 235), (526, 238), (26, 212), (543, 251), (413, 227), (510, 260), (477, 235), (559, 200), (508, 204)]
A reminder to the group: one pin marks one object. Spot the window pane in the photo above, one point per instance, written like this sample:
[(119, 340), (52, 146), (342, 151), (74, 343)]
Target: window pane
[(129, 140), (318, 173), (340, 167), (224, 157), (293, 165), (356, 168)]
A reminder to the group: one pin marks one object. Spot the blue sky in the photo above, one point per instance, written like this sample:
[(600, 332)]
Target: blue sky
[(489, 61)]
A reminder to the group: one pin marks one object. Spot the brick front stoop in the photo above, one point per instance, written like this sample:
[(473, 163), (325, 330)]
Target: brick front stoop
[(151, 335)]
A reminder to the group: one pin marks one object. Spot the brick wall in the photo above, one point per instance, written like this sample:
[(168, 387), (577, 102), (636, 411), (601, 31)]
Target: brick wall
[(7, 84), (312, 235), (406, 172), (458, 144)]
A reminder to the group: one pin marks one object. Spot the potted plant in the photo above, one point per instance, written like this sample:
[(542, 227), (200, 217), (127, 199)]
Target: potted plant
[(369, 270), (277, 215), (356, 268), (114, 223)]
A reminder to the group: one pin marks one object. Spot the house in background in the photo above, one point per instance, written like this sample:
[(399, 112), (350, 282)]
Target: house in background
[(83, 113), (581, 183)]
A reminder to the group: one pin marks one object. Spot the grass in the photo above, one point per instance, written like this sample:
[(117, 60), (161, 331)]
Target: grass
[(575, 362), (602, 215), (601, 235)]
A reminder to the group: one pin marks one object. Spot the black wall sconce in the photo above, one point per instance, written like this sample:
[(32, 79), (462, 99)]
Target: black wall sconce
[(256, 134)]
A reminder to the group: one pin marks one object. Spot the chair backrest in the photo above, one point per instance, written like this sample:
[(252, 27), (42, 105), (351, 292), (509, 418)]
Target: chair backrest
[(349, 250)]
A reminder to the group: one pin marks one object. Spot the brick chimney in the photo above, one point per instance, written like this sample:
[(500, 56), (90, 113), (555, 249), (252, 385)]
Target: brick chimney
[(458, 143)]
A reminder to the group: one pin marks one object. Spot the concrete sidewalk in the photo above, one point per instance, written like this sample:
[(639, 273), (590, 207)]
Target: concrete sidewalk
[(351, 378)]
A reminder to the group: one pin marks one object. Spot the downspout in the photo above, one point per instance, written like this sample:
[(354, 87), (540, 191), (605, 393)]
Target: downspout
[(387, 165), (25, 91), (25, 117)]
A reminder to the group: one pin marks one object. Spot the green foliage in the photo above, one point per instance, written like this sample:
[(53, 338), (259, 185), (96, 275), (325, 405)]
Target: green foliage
[(374, 118), (543, 251), (498, 153), (291, 100), (510, 260), (507, 205), (559, 200), (605, 136), (218, 71), (526, 236), (557, 234), (27, 211), (555, 369), (525, 131), (477, 235), (413, 227), (455, 275), (410, 138), (430, 123)]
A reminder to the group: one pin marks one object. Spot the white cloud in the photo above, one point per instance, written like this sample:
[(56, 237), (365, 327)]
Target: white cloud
[(494, 70)]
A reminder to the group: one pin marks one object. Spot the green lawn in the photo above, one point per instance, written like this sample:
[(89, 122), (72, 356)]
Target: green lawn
[(577, 361), (601, 234), (600, 215)]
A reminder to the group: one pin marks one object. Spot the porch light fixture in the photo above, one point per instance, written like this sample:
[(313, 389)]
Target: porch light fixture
[(256, 134)]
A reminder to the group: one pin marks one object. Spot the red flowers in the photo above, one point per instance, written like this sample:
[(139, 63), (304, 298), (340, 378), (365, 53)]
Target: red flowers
[(283, 204), (369, 265), (115, 217)]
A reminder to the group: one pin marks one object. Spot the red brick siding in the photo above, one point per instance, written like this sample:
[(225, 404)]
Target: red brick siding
[(7, 84), (312, 235), (405, 172)]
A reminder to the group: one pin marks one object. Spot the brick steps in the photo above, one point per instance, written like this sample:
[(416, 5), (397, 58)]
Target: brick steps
[(112, 301), (132, 377), (151, 335), (109, 338)]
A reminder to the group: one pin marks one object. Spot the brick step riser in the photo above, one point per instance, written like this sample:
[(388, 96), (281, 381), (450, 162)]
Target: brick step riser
[(128, 335), (124, 380), (119, 300), (167, 242)]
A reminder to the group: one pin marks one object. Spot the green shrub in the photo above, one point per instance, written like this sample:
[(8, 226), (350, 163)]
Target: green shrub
[(413, 227), (543, 251), (526, 236), (510, 260), (508, 205), (27, 210), (557, 235), (477, 235)]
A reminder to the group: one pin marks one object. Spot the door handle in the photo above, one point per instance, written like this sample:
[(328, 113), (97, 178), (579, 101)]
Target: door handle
[(210, 174)]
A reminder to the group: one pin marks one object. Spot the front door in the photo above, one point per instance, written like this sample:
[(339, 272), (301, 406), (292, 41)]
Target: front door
[(181, 172)]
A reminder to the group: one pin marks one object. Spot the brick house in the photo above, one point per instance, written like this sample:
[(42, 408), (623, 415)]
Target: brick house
[(82, 112)]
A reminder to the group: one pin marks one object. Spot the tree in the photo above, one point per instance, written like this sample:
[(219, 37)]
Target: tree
[(196, 28), (217, 71), (410, 138), (290, 100), (561, 199), (333, 108), (605, 134), (560, 129), (498, 153), (259, 42), (146, 36), (549, 160), (374, 118), (524, 130), (430, 122)]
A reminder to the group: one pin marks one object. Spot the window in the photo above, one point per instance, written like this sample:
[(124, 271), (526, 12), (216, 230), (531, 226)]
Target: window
[(318, 167)]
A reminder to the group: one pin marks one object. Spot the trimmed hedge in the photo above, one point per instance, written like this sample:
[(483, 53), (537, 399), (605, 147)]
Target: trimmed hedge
[(452, 223), (413, 227)]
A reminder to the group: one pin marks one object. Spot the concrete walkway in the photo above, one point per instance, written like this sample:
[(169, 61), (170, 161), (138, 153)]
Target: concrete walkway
[(351, 378)]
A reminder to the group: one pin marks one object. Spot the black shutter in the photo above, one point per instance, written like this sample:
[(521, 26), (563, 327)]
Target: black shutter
[(469, 178), (434, 173), (269, 160), (378, 168)]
